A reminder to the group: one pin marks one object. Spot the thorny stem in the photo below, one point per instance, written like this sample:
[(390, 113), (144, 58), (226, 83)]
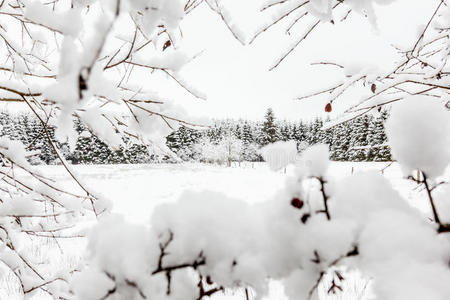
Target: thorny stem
[(442, 227), (127, 282), (353, 252), (430, 197), (167, 270), (206, 293), (312, 290), (324, 196)]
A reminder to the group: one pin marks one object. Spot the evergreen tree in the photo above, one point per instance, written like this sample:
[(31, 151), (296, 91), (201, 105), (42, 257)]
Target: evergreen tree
[(249, 147), (182, 142), (341, 142), (238, 131), (269, 129), (359, 138), (377, 137), (285, 133), (247, 135), (315, 135), (215, 133)]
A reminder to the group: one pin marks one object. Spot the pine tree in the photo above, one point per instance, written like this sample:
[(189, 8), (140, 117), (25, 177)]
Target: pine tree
[(238, 131), (215, 132), (300, 134), (285, 134), (315, 135), (377, 137), (182, 142), (359, 138), (341, 142), (269, 129), (249, 147)]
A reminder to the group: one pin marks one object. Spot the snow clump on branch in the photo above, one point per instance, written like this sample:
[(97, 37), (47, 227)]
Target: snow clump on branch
[(418, 133)]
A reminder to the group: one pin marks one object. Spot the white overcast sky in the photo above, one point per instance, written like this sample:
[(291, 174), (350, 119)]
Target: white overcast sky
[(236, 78)]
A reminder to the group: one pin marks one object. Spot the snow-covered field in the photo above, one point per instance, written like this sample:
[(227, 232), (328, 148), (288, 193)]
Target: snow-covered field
[(136, 189)]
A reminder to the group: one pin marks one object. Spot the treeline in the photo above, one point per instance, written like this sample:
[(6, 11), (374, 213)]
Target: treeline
[(89, 149), (361, 139)]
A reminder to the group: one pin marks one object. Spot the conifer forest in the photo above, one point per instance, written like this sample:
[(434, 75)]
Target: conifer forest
[(361, 139)]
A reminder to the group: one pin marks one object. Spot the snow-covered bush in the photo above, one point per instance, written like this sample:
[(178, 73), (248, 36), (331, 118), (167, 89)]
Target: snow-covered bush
[(207, 151), (227, 150), (231, 148), (317, 224), (78, 60), (207, 242), (279, 154)]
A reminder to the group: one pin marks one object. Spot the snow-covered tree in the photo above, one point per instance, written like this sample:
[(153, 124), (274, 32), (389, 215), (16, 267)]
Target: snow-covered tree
[(341, 142), (377, 139), (182, 142), (207, 151), (269, 131), (359, 139), (285, 131), (70, 60), (231, 147), (249, 146), (227, 150)]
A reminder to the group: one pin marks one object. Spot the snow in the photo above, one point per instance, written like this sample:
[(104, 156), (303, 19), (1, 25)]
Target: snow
[(82, 284), (314, 161), (417, 131), (136, 190), (171, 60), (122, 184), (245, 190), (232, 225), (321, 9), (67, 22), (94, 118), (280, 154), (113, 232)]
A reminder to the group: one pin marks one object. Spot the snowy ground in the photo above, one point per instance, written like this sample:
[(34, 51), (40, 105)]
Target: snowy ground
[(136, 189)]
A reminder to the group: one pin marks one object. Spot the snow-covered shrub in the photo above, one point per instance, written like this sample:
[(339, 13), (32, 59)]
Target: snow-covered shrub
[(227, 150), (231, 148), (207, 151), (69, 61), (303, 237), (279, 154), (317, 224)]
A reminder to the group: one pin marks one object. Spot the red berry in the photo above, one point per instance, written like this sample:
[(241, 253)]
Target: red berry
[(328, 107), (297, 203)]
